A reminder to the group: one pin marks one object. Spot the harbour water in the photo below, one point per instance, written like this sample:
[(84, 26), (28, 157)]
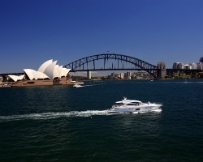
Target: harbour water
[(63, 123)]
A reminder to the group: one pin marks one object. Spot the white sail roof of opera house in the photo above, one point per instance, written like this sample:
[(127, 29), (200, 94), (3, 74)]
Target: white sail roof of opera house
[(48, 70), (16, 77), (44, 65), (32, 74)]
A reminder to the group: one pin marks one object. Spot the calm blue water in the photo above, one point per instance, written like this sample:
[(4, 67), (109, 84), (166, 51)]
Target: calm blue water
[(62, 123)]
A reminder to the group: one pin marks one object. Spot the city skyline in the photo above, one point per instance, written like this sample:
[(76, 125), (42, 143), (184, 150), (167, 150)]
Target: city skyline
[(153, 31)]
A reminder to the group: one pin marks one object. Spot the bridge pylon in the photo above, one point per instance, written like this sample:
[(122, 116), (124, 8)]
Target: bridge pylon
[(89, 74), (161, 69)]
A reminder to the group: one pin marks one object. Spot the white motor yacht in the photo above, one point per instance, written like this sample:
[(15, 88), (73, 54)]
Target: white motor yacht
[(77, 86), (133, 106)]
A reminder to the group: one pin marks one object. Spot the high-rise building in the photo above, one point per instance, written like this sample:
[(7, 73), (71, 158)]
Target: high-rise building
[(193, 65), (201, 60), (175, 65), (122, 75), (187, 66), (200, 66), (1, 80), (180, 65), (128, 74)]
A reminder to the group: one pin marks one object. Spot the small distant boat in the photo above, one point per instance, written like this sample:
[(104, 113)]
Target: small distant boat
[(134, 107), (151, 80), (77, 86), (5, 85)]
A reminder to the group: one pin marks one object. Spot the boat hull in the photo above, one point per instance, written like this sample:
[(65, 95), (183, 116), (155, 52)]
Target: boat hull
[(134, 109)]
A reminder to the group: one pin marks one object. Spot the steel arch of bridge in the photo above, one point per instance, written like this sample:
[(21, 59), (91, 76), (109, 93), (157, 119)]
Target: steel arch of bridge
[(138, 64)]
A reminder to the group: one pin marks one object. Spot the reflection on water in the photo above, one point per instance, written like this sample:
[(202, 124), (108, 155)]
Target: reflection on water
[(62, 123)]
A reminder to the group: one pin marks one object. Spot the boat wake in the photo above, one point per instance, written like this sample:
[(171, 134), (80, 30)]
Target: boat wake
[(53, 115), (157, 110)]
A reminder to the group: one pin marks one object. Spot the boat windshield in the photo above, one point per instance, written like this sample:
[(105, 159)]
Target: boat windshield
[(134, 103), (118, 104)]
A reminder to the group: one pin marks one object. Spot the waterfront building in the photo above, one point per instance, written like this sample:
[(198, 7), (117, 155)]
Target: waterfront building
[(134, 75), (116, 76), (48, 70), (175, 65), (138, 77), (15, 78), (187, 66), (193, 65), (1, 80), (128, 74), (200, 66), (122, 75), (201, 60), (180, 65)]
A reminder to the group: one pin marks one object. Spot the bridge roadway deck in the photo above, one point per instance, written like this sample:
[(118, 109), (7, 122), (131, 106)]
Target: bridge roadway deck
[(110, 69)]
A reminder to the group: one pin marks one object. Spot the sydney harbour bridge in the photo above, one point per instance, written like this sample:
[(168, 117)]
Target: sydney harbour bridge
[(112, 62)]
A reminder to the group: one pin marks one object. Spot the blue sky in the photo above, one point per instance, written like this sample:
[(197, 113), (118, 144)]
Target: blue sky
[(33, 31)]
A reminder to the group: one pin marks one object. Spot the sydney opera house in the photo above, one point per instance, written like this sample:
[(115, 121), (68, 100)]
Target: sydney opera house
[(48, 74)]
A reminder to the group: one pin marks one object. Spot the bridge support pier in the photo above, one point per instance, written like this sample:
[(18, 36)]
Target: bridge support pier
[(89, 74), (161, 69)]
